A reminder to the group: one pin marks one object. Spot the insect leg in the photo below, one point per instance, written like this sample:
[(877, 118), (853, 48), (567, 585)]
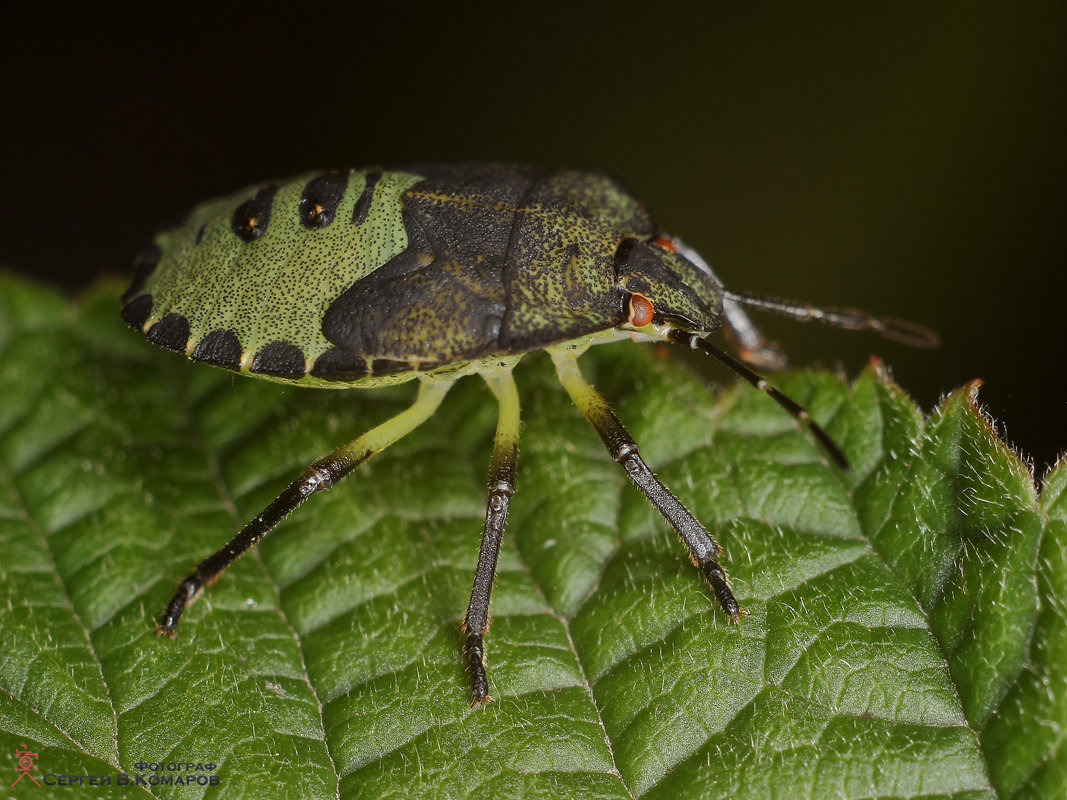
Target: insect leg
[(746, 338), (318, 477), (703, 549), (501, 488), (795, 409), (743, 335)]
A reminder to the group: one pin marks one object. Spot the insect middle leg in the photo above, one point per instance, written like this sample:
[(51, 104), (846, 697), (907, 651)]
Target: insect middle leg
[(703, 549), (501, 488), (318, 477)]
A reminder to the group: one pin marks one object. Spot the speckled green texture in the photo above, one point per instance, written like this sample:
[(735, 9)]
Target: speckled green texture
[(277, 287)]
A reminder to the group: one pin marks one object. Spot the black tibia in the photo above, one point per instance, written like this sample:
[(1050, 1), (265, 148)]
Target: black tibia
[(501, 488), (319, 476), (476, 623), (798, 411), (703, 549)]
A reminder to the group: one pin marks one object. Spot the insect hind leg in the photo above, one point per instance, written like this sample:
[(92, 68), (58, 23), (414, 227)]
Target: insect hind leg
[(318, 477), (703, 549), (501, 488)]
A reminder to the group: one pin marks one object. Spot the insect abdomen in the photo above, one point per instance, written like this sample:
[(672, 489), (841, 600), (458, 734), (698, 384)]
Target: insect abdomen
[(244, 281)]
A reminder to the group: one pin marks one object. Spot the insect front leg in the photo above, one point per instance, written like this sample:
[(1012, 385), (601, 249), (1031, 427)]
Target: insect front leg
[(703, 549), (501, 488), (318, 477), (747, 340)]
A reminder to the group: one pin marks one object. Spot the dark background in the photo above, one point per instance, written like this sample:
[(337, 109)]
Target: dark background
[(908, 159)]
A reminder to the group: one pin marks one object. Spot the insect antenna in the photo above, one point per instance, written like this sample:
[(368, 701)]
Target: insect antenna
[(898, 330), (798, 411)]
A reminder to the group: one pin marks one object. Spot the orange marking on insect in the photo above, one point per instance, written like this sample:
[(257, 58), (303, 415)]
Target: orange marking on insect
[(640, 310), (664, 242)]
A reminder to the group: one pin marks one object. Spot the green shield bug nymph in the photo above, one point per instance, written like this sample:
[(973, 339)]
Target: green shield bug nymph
[(359, 278)]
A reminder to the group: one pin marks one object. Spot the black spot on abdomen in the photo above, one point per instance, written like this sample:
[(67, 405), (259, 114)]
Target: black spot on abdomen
[(172, 332), (359, 213), (280, 360), (251, 218), (137, 311), (322, 195), (339, 365), (220, 348)]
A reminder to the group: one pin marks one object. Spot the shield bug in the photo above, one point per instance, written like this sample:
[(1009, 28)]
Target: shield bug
[(360, 278)]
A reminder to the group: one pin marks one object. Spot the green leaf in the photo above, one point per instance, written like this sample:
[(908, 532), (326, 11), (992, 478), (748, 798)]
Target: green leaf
[(907, 621)]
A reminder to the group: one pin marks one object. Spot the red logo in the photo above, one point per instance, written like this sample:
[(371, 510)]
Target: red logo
[(27, 764)]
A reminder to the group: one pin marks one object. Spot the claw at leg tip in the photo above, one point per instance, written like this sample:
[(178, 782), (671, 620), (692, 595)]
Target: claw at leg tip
[(164, 630)]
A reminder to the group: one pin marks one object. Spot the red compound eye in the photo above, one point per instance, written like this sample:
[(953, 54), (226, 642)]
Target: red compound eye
[(664, 242), (640, 311)]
